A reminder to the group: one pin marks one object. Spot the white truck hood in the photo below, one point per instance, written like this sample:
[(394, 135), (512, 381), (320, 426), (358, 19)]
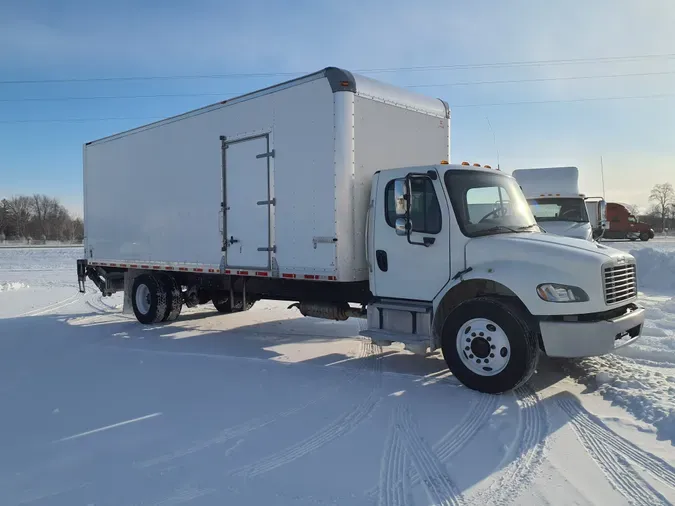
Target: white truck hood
[(521, 261), (569, 229), (535, 242)]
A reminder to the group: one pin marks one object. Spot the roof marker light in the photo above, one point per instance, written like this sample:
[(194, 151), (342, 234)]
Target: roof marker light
[(465, 163)]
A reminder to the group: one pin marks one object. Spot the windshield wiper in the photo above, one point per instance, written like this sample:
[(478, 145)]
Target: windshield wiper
[(497, 228), (525, 227)]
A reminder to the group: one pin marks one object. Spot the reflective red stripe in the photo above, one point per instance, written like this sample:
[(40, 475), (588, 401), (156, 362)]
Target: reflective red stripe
[(198, 269), (288, 275), (133, 266), (260, 273), (182, 268), (243, 273), (227, 271)]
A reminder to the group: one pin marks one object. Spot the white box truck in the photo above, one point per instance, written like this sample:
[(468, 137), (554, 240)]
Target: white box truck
[(554, 198), (334, 191)]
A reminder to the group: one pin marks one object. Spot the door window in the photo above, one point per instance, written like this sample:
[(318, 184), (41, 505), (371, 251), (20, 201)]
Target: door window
[(425, 211)]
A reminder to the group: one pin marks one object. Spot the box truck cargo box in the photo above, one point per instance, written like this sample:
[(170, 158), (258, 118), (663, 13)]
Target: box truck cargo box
[(274, 182)]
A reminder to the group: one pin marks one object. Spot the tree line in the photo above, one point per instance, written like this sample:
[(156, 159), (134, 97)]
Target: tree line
[(663, 207), (38, 218)]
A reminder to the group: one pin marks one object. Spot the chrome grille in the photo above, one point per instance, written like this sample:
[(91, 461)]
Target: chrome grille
[(620, 283)]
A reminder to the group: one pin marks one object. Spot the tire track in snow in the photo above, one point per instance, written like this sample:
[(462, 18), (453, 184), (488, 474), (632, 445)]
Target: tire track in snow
[(50, 307), (455, 439), (603, 444), (253, 424), (523, 461), (340, 427), (393, 489), (433, 474)]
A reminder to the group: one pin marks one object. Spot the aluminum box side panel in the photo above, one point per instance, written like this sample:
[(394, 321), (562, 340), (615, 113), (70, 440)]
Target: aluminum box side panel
[(387, 136), (155, 195), (304, 182)]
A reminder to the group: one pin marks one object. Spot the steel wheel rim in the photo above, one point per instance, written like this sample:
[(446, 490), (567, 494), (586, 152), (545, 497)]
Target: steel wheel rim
[(483, 347), (143, 299)]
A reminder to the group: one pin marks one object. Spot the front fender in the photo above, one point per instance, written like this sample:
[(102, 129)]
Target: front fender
[(522, 278)]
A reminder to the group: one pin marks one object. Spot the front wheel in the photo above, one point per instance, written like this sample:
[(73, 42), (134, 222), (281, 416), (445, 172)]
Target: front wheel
[(489, 346), (644, 236)]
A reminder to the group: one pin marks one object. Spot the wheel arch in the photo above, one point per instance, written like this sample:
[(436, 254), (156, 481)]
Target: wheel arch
[(470, 289)]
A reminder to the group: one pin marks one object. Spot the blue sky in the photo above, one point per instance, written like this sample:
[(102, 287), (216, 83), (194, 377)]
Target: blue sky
[(47, 40)]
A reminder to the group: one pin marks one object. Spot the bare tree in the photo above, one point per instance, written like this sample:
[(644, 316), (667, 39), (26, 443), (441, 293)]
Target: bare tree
[(663, 195), (19, 209)]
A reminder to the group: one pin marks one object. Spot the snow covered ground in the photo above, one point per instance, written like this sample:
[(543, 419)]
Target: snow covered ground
[(266, 407)]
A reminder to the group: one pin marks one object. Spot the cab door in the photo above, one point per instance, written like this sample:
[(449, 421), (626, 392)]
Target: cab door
[(414, 266)]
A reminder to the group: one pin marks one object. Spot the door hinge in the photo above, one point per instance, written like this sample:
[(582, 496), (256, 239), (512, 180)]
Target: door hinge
[(273, 249), (266, 155)]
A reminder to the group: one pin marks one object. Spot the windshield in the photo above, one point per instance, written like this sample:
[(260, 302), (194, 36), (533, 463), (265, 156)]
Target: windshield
[(488, 203), (559, 209)]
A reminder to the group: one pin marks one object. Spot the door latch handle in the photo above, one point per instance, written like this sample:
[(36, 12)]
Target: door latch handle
[(232, 240)]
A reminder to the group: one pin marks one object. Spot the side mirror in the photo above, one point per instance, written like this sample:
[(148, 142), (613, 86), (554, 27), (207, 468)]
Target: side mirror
[(403, 226), (401, 198)]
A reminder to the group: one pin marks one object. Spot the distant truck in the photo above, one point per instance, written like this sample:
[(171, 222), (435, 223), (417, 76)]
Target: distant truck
[(334, 191), (554, 198), (596, 207), (623, 225)]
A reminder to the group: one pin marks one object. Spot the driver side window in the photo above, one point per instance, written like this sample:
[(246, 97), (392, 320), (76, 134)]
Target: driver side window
[(487, 202), (425, 211)]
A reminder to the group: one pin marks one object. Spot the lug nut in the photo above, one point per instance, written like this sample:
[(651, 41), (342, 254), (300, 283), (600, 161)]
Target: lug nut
[(467, 348), (492, 355), (470, 356), (468, 339), (493, 347), (481, 334), (489, 338)]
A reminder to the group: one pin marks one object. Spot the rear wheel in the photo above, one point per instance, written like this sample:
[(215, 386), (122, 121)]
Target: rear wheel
[(644, 236), (489, 346), (174, 298), (149, 299)]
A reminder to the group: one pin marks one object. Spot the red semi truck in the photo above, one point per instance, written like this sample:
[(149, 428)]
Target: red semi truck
[(623, 225)]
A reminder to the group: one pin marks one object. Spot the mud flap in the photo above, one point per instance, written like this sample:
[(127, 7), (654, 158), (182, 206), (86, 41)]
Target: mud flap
[(129, 277)]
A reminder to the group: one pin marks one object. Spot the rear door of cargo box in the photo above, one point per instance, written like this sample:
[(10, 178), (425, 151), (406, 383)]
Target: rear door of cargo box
[(247, 202)]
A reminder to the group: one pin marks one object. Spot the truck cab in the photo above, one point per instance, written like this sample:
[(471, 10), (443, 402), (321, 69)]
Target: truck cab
[(458, 262), (624, 225), (556, 203)]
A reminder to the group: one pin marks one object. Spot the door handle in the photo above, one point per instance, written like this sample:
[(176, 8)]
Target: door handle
[(232, 240), (382, 260)]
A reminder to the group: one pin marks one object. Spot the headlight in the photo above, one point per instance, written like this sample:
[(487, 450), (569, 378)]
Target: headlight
[(553, 292)]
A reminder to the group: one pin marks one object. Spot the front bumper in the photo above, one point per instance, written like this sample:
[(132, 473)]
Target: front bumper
[(588, 339)]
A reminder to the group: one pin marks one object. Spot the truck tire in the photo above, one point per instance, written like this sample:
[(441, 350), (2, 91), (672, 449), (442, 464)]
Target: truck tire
[(223, 305), (174, 303), (489, 346), (149, 299), (644, 236)]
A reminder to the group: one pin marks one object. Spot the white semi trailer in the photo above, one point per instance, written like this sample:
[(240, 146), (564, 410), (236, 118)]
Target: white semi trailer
[(334, 190)]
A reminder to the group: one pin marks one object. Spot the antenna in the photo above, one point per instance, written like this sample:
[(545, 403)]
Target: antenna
[(494, 140), (602, 172)]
